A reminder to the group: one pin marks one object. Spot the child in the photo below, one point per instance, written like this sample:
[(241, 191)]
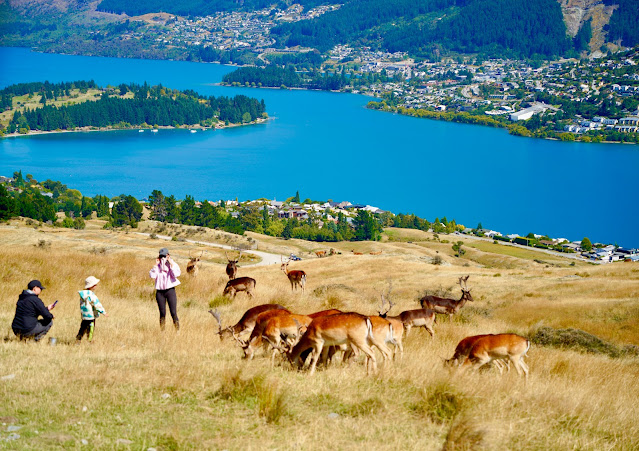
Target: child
[(90, 308)]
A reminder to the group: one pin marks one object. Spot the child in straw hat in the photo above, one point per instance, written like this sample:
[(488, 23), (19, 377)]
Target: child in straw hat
[(90, 308)]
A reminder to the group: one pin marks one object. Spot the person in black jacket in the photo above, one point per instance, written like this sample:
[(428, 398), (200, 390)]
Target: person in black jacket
[(28, 308)]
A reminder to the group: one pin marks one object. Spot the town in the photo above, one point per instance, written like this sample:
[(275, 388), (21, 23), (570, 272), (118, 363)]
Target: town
[(254, 215)]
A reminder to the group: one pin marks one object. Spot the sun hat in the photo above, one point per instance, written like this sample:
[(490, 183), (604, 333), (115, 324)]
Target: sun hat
[(91, 282), (35, 283), (164, 252)]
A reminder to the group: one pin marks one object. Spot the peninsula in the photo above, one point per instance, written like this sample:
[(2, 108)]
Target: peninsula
[(84, 106)]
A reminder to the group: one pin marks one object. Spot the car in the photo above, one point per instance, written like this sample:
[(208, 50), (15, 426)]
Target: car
[(294, 257)]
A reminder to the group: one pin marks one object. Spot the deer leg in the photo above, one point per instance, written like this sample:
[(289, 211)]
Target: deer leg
[(370, 358), (316, 355), (430, 331), (408, 327), (400, 346)]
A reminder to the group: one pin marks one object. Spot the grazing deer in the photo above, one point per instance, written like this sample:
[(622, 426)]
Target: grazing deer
[(463, 349), (296, 277), (246, 323), (509, 347), (287, 328), (192, 266), (246, 284), (351, 329), (356, 253), (376, 253), (231, 267), (448, 306), (328, 312), (320, 254), (255, 340)]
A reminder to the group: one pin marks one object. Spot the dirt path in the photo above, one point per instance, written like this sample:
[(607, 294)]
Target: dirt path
[(267, 257)]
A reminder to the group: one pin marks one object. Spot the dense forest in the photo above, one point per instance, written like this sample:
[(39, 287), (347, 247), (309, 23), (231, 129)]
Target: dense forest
[(272, 76), (520, 28), (40, 201), (131, 105), (624, 23), (353, 20)]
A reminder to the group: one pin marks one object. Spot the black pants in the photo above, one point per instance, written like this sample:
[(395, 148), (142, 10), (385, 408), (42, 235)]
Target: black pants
[(37, 332), (87, 327), (164, 296)]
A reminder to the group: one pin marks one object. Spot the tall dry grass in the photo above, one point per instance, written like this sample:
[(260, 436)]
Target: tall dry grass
[(191, 391)]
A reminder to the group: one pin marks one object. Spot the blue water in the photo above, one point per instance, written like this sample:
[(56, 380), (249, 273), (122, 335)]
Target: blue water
[(328, 146)]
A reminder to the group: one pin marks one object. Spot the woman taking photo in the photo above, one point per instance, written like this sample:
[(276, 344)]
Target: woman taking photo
[(165, 273)]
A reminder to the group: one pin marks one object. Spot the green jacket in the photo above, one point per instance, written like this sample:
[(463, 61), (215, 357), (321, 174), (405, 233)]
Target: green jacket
[(90, 306)]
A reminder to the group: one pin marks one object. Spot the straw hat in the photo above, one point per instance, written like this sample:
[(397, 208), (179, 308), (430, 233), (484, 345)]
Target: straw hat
[(91, 282)]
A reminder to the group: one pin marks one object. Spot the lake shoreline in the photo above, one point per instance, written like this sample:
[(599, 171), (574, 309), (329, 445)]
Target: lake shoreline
[(113, 129)]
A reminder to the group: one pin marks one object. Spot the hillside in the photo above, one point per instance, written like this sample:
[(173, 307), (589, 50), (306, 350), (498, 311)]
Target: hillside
[(136, 388), (423, 28)]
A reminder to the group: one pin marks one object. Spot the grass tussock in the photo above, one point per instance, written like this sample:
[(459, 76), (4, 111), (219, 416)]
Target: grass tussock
[(440, 403), (582, 341)]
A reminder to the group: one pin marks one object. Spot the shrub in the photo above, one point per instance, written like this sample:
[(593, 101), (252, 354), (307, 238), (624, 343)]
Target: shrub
[(440, 403), (575, 339)]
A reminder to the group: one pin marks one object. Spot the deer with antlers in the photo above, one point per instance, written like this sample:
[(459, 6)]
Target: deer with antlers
[(490, 348), (448, 306), (231, 267), (233, 286), (296, 277), (192, 267), (245, 324)]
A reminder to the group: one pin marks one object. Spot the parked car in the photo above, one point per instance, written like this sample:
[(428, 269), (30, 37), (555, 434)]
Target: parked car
[(294, 257)]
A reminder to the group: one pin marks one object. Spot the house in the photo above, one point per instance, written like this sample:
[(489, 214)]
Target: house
[(630, 120)]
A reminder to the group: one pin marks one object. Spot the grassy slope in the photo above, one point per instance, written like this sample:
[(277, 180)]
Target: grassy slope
[(217, 400)]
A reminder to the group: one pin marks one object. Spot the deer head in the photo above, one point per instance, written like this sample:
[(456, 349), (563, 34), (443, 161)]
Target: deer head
[(464, 287), (383, 313)]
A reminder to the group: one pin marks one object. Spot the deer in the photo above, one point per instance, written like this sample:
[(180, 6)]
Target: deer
[(231, 267), (410, 318), (463, 350), (320, 254), (192, 266), (397, 338), (376, 253), (445, 305), (255, 340), (288, 328), (509, 347), (296, 276), (246, 323), (351, 329), (233, 286)]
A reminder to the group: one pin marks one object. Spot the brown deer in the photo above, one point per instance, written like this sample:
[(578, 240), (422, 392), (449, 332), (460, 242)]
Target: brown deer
[(255, 340), (351, 329), (296, 277), (463, 349), (320, 254), (376, 253), (509, 347), (397, 339), (231, 267), (192, 266), (246, 323), (287, 328), (233, 286), (445, 305)]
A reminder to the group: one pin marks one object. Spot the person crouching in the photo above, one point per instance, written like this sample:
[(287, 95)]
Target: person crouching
[(90, 308)]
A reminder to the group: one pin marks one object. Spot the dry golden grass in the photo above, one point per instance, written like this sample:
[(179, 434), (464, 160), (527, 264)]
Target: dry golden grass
[(191, 391)]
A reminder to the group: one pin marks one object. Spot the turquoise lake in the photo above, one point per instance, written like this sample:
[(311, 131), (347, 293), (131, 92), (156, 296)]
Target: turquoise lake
[(329, 146)]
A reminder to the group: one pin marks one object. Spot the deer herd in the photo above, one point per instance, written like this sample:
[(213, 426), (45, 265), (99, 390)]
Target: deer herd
[(324, 333)]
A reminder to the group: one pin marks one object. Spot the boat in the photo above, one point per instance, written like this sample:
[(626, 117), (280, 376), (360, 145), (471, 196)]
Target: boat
[(155, 130), (193, 131), (141, 131)]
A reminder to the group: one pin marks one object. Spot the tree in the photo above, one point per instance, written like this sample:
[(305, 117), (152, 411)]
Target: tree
[(366, 226), (157, 203), (127, 211), (586, 245), (7, 204), (187, 211), (296, 199), (457, 247)]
